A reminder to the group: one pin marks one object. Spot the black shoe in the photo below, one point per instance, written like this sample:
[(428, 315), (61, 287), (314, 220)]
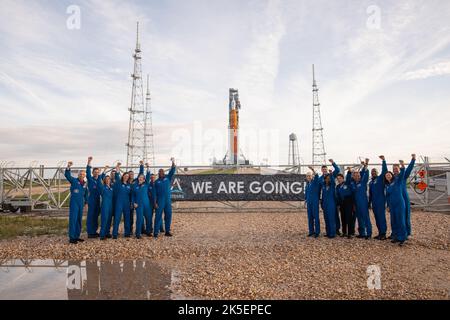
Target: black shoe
[(108, 236), (394, 241), (168, 234), (93, 236), (382, 237), (73, 241), (102, 238), (138, 237), (310, 235), (127, 236), (80, 240), (316, 235), (114, 237), (377, 237), (155, 236), (368, 237)]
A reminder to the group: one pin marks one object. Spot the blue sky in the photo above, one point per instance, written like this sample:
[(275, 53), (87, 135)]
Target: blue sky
[(384, 87)]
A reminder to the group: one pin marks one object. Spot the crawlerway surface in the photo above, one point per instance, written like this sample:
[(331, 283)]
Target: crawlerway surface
[(268, 256)]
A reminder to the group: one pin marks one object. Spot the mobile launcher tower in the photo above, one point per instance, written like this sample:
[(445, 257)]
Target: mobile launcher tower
[(234, 156)]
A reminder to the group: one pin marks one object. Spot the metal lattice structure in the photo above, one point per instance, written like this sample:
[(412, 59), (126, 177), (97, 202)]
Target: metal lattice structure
[(318, 146), (38, 188), (140, 128)]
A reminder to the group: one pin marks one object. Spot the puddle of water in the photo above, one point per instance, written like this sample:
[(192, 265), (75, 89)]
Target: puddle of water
[(85, 280)]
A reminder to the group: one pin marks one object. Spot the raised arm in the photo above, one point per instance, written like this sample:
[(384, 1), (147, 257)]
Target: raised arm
[(89, 170), (365, 172), (141, 167), (337, 170), (402, 173), (68, 173), (117, 180), (348, 176), (410, 167), (172, 170)]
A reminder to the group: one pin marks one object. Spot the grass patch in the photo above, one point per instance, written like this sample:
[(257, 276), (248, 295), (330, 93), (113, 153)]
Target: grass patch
[(11, 227)]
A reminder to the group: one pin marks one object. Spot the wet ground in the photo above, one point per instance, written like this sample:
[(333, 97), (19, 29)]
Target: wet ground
[(85, 280), (232, 255)]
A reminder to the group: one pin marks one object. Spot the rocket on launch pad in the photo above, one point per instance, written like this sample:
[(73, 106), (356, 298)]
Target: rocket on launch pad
[(232, 157), (233, 127)]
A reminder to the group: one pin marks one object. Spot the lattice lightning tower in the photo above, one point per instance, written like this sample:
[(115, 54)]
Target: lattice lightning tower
[(318, 146), (138, 130)]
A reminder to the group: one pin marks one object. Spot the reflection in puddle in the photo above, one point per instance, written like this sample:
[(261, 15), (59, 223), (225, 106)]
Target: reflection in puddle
[(62, 279)]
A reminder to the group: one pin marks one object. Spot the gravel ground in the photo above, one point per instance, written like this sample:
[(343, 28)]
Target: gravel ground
[(268, 256)]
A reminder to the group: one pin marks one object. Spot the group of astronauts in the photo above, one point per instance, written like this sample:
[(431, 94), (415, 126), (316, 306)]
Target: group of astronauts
[(343, 199), (116, 196), (347, 199)]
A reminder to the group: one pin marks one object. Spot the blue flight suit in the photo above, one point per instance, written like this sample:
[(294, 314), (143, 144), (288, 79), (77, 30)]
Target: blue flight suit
[(151, 197), (133, 183), (312, 192), (405, 194), (336, 171), (377, 199), (107, 208), (163, 193), (140, 197), (329, 207), (397, 207), (362, 204), (78, 198), (344, 196), (93, 202), (122, 206)]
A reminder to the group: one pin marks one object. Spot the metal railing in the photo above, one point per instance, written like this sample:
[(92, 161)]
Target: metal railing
[(45, 188)]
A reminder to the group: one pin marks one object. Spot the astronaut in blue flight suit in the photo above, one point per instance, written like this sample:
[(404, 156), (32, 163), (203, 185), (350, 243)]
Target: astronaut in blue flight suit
[(359, 188), (345, 202), (162, 191), (122, 205), (325, 172), (408, 172), (329, 205), (93, 199), (396, 204), (312, 195), (107, 194), (141, 200), (377, 199), (78, 199)]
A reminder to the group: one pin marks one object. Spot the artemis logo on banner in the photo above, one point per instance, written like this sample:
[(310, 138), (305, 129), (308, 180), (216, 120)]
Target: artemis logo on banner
[(73, 22)]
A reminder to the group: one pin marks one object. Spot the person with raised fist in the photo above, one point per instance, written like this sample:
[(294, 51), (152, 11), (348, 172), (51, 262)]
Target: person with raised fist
[(93, 177), (162, 189), (377, 199), (78, 200)]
